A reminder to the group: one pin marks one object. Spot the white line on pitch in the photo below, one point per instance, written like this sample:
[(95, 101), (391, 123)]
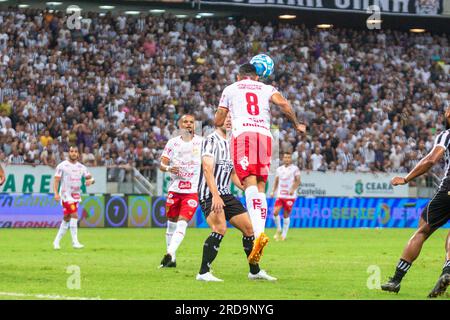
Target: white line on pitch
[(44, 296)]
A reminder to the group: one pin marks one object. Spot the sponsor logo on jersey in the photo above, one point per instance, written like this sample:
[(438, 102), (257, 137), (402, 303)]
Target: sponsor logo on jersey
[(170, 201), (184, 185), (192, 203), (76, 196)]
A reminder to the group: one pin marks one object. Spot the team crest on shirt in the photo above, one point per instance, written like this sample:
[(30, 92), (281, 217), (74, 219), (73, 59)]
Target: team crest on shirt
[(72, 207), (196, 152), (192, 203), (289, 203)]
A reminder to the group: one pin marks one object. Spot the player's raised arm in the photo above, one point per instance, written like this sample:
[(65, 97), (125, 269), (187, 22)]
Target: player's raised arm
[(288, 111), (220, 116), (222, 111), (422, 167)]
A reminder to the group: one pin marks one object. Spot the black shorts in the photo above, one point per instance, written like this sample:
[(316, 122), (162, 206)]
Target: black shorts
[(233, 206), (437, 211)]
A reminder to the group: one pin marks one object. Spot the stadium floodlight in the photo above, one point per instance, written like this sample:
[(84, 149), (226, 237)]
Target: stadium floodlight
[(287, 16), (417, 30), (132, 12), (198, 16), (206, 14), (22, 6), (73, 8), (324, 26), (53, 3), (181, 16), (157, 10), (106, 7)]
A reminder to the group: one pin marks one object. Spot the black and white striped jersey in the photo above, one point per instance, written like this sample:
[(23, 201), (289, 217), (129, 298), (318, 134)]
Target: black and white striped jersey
[(218, 148), (443, 140)]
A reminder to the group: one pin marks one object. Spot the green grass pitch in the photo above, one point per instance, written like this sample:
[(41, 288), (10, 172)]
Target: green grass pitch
[(122, 264)]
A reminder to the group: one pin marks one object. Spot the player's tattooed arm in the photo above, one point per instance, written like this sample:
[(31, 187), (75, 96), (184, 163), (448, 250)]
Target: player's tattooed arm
[(220, 116), (275, 187), (165, 167), (288, 111), (422, 167)]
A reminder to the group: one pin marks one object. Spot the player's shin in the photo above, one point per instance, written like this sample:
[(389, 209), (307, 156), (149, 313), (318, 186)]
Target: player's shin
[(263, 198), (74, 230), (247, 242), (210, 251), (286, 222), (277, 220), (254, 208), (177, 238), (61, 232), (171, 227)]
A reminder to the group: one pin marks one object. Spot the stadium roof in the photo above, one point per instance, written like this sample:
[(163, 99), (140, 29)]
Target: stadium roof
[(182, 9)]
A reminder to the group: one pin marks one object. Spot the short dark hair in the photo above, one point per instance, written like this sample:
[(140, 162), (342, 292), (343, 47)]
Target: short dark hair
[(247, 69)]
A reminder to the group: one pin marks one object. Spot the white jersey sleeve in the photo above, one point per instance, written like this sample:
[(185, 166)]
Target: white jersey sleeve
[(443, 139), (59, 170), (168, 149)]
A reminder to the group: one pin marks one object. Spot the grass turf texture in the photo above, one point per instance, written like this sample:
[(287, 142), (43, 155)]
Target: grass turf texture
[(122, 264)]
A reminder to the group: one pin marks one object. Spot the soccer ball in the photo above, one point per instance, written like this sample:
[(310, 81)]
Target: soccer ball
[(264, 65)]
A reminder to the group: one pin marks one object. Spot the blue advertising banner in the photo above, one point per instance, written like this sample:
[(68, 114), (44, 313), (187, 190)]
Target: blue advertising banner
[(333, 212), (41, 211)]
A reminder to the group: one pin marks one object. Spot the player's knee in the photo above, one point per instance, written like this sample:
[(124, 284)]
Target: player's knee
[(248, 230), (220, 228)]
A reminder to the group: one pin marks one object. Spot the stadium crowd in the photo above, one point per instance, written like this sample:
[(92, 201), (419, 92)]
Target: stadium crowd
[(372, 99)]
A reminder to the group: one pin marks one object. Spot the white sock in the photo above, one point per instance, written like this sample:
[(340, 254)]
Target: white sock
[(254, 211), (61, 232), (286, 222), (177, 238), (277, 220), (74, 230), (263, 198), (171, 227)]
